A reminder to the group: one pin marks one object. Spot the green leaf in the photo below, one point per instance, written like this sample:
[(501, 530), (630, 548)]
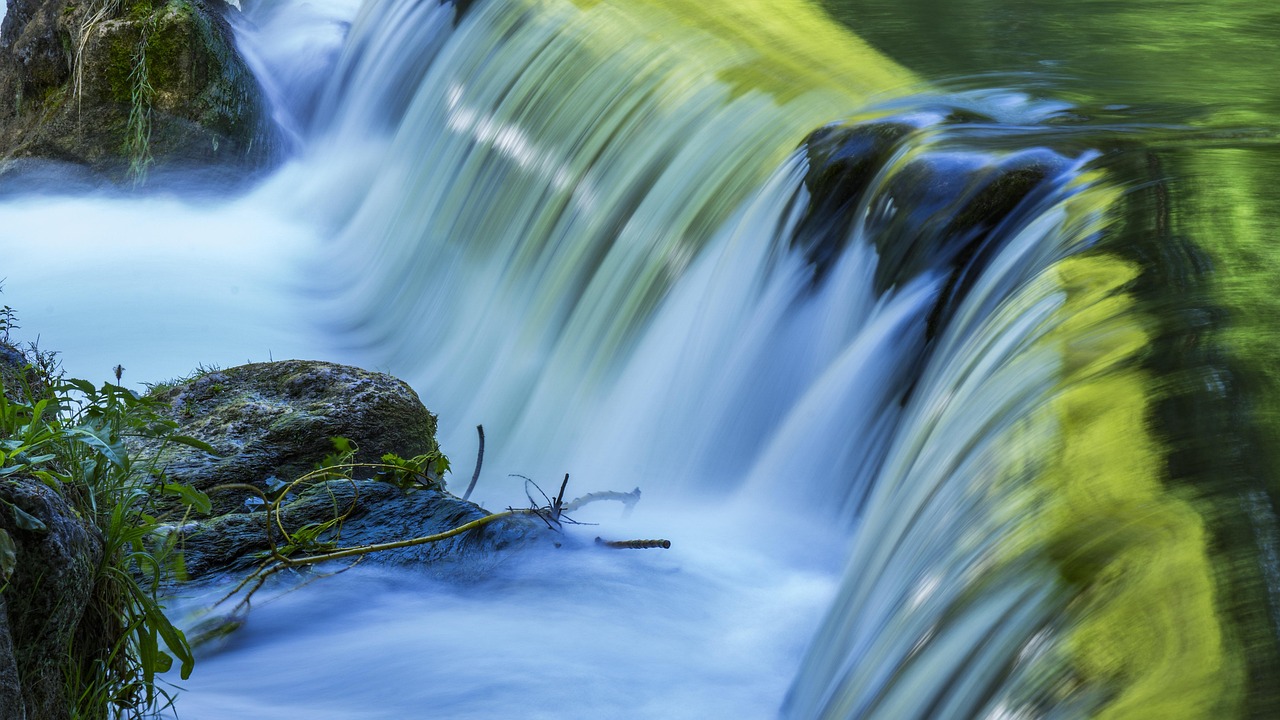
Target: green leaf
[(27, 521), (196, 443), (8, 555), (83, 386), (163, 661), (53, 480), (88, 437), (190, 497), (173, 638)]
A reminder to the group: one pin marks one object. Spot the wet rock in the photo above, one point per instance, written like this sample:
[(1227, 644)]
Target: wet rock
[(843, 161), (928, 206), (46, 598), (113, 86), (379, 512)]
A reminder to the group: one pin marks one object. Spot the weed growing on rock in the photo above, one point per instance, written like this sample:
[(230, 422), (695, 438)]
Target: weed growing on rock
[(68, 436)]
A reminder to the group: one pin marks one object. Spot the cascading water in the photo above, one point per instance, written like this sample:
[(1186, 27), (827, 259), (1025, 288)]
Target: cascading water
[(884, 391)]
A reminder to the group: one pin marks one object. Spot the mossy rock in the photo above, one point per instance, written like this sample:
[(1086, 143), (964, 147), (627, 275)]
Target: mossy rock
[(379, 512), (271, 423), (18, 376), (145, 82), (44, 603), (276, 420)]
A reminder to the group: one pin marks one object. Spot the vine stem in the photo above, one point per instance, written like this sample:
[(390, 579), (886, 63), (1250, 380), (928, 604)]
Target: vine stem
[(364, 549)]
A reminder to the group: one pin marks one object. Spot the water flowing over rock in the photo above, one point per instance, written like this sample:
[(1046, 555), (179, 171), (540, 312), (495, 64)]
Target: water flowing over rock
[(117, 86)]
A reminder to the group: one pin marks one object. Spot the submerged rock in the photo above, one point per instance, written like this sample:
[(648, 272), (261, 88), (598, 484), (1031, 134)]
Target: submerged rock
[(379, 512), (118, 85), (933, 208)]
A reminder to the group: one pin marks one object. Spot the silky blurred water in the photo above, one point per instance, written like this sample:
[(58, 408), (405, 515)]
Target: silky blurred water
[(570, 222), (707, 629)]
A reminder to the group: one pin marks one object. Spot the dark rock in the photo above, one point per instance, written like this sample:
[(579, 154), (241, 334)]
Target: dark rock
[(12, 705), (277, 420), (933, 207), (114, 85), (18, 376), (843, 161), (47, 595), (380, 512)]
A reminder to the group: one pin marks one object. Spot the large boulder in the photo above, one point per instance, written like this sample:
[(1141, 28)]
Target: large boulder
[(43, 607), (272, 423), (116, 86)]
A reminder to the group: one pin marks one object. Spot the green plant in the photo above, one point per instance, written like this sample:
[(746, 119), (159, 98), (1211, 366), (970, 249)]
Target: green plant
[(70, 435), (8, 322), (138, 128)]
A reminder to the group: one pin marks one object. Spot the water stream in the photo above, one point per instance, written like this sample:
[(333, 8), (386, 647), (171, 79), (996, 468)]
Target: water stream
[(883, 424)]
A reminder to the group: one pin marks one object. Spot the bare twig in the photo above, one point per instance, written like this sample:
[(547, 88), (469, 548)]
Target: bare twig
[(558, 506), (628, 499), (479, 461)]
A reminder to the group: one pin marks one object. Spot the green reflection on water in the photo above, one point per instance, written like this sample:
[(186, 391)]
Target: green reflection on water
[(1210, 73), (1221, 56)]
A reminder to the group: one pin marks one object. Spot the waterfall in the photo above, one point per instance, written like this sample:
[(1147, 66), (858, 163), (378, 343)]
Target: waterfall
[(606, 250), (902, 345)]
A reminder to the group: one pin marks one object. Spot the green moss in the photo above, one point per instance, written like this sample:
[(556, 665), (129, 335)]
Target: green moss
[(167, 43), (121, 46)]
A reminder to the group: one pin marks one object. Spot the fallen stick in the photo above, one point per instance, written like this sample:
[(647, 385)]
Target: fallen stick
[(634, 544)]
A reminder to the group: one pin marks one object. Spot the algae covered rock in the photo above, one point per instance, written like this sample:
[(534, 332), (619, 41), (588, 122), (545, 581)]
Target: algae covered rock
[(119, 85)]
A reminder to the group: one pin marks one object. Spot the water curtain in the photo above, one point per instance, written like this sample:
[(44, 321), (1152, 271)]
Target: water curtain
[(703, 236)]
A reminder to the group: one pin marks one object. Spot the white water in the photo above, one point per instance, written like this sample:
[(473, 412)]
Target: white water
[(703, 630), (627, 314), (160, 284)]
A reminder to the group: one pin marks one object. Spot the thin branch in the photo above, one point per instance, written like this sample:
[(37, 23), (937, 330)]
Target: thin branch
[(479, 461), (628, 499)]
